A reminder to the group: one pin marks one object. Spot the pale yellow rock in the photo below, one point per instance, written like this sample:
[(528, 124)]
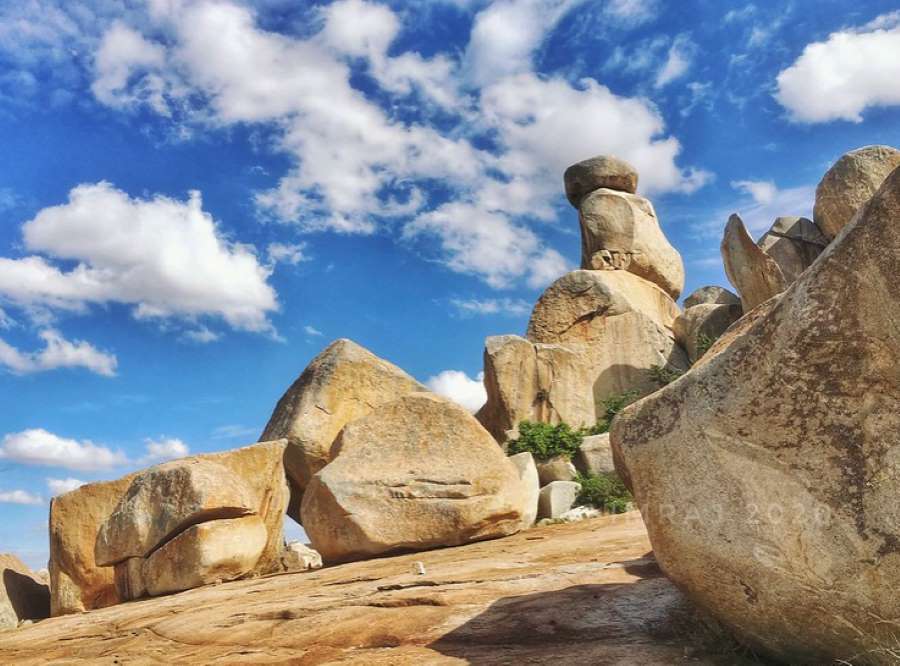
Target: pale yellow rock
[(77, 582), (768, 476), (584, 177), (343, 383), (794, 243), (219, 550), (850, 183), (531, 485), (755, 275), (417, 473), (163, 501), (23, 595), (620, 231), (557, 498), (594, 456), (592, 335), (705, 320), (559, 468), (711, 294), (300, 557)]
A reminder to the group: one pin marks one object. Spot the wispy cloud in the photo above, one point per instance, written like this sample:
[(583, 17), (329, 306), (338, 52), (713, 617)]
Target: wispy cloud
[(19, 497), (491, 306), (57, 353)]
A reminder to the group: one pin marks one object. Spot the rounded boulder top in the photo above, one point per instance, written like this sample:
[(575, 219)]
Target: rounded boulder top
[(599, 172)]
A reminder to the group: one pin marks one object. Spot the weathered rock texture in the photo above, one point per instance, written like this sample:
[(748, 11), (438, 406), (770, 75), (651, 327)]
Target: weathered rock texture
[(179, 517), (592, 334), (753, 273), (850, 183), (557, 498), (703, 321), (77, 582), (594, 456), (584, 593), (559, 468), (343, 383), (300, 557), (598, 172), (711, 294), (416, 473), (794, 243), (620, 231), (768, 475), (531, 485), (23, 596)]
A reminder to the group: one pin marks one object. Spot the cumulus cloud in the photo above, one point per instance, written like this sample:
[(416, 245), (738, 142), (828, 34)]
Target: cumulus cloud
[(39, 447), (490, 306), (458, 387), (62, 486), (165, 257), (57, 353), (123, 54), (163, 449), (841, 77), (19, 497)]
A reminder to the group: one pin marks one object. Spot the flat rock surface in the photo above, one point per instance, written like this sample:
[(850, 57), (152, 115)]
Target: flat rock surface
[(581, 593)]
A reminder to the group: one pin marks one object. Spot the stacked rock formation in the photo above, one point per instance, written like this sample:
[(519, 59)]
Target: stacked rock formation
[(597, 331), (767, 476)]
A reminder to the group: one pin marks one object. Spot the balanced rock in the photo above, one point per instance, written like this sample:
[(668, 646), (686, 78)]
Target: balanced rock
[(753, 273), (593, 334), (768, 475), (620, 231), (594, 456), (705, 322), (557, 498), (531, 484), (23, 595), (160, 527), (77, 582), (850, 183), (416, 473), (204, 553), (711, 294), (794, 243), (343, 383), (598, 172)]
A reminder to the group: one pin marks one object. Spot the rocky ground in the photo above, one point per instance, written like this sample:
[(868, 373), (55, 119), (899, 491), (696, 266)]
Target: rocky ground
[(579, 593)]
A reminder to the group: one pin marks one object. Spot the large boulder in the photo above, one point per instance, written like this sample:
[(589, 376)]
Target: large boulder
[(620, 231), (850, 183), (416, 473), (77, 582), (711, 294), (768, 476), (594, 456), (755, 274), (794, 243), (531, 485), (23, 596), (343, 383), (557, 498), (598, 172), (703, 323), (169, 512), (592, 335)]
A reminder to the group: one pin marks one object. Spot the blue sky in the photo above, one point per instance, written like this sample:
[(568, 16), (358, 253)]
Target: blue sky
[(196, 197)]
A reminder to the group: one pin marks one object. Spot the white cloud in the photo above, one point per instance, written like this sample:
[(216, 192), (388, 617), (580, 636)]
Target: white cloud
[(124, 53), (851, 71), (61, 486), (39, 447), (57, 353), (287, 253), (232, 431), (678, 62), (165, 448), (6, 322), (312, 331), (490, 306), (457, 386), (763, 203), (632, 11), (165, 257), (19, 497), (202, 335)]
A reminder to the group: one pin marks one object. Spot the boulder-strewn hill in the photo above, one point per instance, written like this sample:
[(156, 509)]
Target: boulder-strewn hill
[(581, 593)]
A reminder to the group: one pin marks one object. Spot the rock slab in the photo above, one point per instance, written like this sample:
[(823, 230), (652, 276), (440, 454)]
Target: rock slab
[(783, 444)]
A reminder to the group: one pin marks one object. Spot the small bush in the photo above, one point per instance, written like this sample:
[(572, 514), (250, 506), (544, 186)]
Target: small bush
[(704, 342), (545, 441), (611, 406), (664, 375), (603, 491)]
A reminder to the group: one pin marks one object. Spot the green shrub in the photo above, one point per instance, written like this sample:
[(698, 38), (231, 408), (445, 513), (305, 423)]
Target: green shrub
[(664, 375), (603, 491), (545, 441), (704, 342), (611, 406)]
